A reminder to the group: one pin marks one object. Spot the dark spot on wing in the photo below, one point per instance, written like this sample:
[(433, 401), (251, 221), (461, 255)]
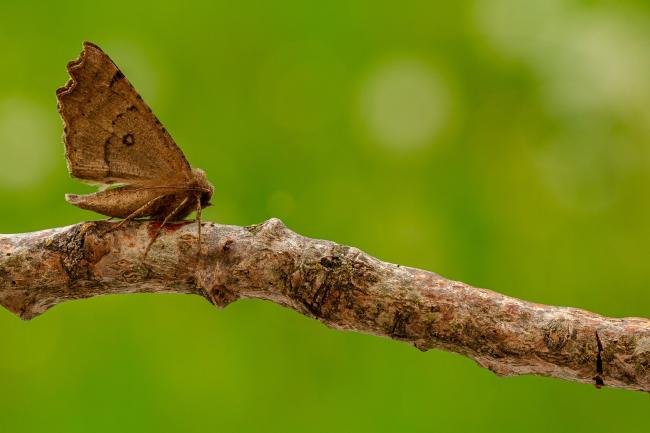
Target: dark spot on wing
[(132, 108), (107, 144), (128, 140), (116, 77)]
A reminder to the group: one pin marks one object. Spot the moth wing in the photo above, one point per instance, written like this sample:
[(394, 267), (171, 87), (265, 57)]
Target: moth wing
[(119, 202), (110, 134)]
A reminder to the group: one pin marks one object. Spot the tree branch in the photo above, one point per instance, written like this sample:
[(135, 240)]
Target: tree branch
[(341, 286)]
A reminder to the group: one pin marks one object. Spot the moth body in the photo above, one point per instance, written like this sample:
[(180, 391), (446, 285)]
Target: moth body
[(123, 201)]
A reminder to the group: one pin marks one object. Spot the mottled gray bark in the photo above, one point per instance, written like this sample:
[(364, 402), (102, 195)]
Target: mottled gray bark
[(340, 286)]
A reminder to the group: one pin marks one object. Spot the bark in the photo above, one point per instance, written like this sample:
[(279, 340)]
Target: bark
[(339, 285)]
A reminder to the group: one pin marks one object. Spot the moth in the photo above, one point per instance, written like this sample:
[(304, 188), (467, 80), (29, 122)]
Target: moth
[(113, 139)]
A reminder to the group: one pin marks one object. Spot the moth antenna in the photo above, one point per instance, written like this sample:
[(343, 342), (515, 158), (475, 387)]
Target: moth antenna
[(172, 187)]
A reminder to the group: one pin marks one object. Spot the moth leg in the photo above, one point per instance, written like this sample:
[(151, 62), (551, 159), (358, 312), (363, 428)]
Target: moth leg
[(167, 218), (198, 221), (134, 214)]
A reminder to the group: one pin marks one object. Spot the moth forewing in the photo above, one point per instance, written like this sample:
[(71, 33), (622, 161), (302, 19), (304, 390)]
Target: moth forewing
[(110, 133)]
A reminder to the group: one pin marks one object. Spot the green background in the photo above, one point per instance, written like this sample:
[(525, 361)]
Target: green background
[(502, 143)]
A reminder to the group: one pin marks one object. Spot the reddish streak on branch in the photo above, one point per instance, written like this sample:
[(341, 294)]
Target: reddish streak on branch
[(341, 286)]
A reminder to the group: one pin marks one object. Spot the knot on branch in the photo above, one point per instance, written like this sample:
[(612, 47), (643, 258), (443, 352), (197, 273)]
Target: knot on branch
[(78, 247), (273, 227)]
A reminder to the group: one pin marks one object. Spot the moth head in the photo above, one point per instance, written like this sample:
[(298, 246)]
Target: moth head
[(200, 181)]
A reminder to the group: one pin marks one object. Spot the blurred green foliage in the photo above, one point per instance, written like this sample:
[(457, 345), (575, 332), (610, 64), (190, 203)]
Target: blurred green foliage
[(502, 143)]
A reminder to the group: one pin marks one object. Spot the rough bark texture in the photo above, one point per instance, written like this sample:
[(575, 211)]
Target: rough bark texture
[(339, 285)]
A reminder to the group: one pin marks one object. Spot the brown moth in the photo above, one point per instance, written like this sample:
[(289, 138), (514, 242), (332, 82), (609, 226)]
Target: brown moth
[(114, 140)]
